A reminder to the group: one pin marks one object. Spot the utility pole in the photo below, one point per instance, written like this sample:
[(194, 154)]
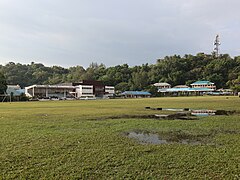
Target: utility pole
[(216, 46)]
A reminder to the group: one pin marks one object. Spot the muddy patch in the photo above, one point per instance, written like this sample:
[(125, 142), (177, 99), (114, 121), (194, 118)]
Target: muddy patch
[(224, 112), (199, 112), (180, 114), (146, 138), (178, 137), (175, 116)]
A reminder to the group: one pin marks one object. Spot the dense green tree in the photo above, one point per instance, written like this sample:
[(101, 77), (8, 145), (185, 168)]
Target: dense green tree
[(75, 74), (122, 86), (224, 71), (153, 90), (3, 84), (138, 80)]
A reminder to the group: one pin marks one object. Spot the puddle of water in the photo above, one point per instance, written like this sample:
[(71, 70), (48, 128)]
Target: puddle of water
[(172, 109), (203, 114), (199, 112), (150, 138)]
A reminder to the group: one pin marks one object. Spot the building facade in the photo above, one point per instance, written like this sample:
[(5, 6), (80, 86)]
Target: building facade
[(162, 85), (197, 88), (203, 84), (83, 89), (45, 91), (109, 91)]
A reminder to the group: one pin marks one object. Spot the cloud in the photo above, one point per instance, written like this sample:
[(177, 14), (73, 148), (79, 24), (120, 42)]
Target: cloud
[(114, 32)]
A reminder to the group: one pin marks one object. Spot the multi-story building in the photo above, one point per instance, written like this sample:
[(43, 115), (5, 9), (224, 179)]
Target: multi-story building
[(98, 87), (84, 89), (203, 84), (109, 91)]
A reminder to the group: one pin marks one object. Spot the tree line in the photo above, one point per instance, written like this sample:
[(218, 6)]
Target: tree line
[(224, 71)]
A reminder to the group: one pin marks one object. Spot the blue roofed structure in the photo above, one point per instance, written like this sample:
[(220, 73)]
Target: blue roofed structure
[(186, 90), (202, 82), (135, 94)]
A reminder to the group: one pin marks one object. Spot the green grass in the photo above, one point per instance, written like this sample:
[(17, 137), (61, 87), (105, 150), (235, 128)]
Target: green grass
[(67, 140)]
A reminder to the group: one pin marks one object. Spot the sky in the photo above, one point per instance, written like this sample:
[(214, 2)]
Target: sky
[(77, 32)]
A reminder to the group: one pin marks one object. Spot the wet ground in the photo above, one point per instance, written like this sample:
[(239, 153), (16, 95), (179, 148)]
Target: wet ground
[(151, 138), (194, 112)]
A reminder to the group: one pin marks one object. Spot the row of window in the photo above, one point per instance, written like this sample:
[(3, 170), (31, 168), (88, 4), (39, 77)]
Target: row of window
[(87, 88), (203, 86)]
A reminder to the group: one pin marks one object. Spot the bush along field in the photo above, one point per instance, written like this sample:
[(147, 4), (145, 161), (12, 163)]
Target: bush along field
[(107, 139)]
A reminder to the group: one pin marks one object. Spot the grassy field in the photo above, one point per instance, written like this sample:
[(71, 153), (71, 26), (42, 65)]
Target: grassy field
[(77, 140)]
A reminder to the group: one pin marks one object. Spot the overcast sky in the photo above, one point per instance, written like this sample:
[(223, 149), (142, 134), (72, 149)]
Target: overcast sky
[(78, 32)]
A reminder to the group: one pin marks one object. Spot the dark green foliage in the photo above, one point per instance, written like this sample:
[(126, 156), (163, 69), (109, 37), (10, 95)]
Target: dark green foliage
[(122, 86), (224, 71), (3, 84), (153, 90)]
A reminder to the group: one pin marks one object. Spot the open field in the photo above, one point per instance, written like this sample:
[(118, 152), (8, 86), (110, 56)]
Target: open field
[(75, 139)]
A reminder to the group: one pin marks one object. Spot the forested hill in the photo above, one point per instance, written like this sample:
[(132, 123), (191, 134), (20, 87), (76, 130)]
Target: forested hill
[(224, 71)]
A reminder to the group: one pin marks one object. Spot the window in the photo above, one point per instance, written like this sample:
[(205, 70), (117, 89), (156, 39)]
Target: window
[(87, 93), (87, 88)]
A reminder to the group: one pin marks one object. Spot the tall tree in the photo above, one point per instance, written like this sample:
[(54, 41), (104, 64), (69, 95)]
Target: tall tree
[(3, 84)]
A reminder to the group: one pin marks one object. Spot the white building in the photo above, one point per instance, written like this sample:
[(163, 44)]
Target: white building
[(109, 91), (84, 91), (162, 85), (66, 91), (45, 91)]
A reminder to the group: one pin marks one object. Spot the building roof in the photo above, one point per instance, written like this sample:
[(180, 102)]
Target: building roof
[(14, 86), (181, 86), (202, 83), (136, 93), (161, 84), (51, 86)]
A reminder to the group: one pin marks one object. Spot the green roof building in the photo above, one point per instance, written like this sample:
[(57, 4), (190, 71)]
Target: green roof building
[(203, 84)]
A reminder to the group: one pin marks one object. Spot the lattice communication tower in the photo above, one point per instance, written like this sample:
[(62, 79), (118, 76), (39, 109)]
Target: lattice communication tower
[(216, 46)]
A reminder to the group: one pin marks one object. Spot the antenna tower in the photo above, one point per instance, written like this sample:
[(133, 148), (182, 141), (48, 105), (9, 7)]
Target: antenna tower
[(216, 46)]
